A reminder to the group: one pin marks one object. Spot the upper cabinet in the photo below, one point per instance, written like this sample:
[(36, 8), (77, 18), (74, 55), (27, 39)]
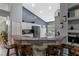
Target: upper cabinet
[(73, 13), (73, 18), (28, 25)]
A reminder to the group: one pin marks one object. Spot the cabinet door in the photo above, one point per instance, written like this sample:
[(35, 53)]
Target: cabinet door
[(43, 32), (26, 25)]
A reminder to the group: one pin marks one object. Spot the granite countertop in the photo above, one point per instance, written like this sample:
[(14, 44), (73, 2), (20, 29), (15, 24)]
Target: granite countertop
[(23, 38), (36, 41)]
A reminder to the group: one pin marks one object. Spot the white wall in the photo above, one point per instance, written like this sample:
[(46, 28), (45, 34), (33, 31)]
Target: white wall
[(58, 26), (64, 12), (57, 23), (63, 9)]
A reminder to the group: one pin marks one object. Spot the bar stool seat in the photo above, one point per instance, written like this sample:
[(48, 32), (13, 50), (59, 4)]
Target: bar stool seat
[(9, 46)]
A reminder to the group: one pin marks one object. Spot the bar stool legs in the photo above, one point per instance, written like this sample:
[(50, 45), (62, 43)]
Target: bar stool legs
[(16, 51), (8, 50)]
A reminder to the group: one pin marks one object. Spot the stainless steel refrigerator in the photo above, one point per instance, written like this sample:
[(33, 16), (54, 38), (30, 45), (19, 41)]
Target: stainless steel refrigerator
[(36, 31)]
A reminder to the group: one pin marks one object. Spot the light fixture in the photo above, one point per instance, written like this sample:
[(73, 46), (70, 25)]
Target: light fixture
[(33, 4), (49, 7)]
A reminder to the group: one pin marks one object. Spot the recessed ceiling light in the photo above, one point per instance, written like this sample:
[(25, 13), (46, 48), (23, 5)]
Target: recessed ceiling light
[(49, 7), (41, 11), (33, 4)]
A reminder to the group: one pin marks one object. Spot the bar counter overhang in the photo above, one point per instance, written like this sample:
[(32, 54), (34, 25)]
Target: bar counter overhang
[(34, 40)]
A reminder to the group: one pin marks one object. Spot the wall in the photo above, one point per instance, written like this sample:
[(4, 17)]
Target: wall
[(63, 9), (64, 12), (64, 30), (57, 24), (28, 16)]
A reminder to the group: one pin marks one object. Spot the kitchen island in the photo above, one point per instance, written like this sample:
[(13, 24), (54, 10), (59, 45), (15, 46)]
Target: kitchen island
[(39, 44), (37, 40)]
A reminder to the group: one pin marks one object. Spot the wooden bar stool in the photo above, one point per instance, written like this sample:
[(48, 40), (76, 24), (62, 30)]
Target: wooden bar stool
[(76, 51), (9, 47), (14, 46), (52, 50), (69, 47), (26, 50)]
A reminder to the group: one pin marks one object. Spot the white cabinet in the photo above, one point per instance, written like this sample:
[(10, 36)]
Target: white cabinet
[(28, 25), (42, 32)]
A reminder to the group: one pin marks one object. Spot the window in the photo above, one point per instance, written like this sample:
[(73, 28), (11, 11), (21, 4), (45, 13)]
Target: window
[(51, 29)]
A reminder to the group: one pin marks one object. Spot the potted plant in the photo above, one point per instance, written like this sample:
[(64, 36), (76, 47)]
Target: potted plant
[(4, 35)]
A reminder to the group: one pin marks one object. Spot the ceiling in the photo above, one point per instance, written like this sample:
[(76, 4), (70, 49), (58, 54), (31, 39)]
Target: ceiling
[(45, 11)]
